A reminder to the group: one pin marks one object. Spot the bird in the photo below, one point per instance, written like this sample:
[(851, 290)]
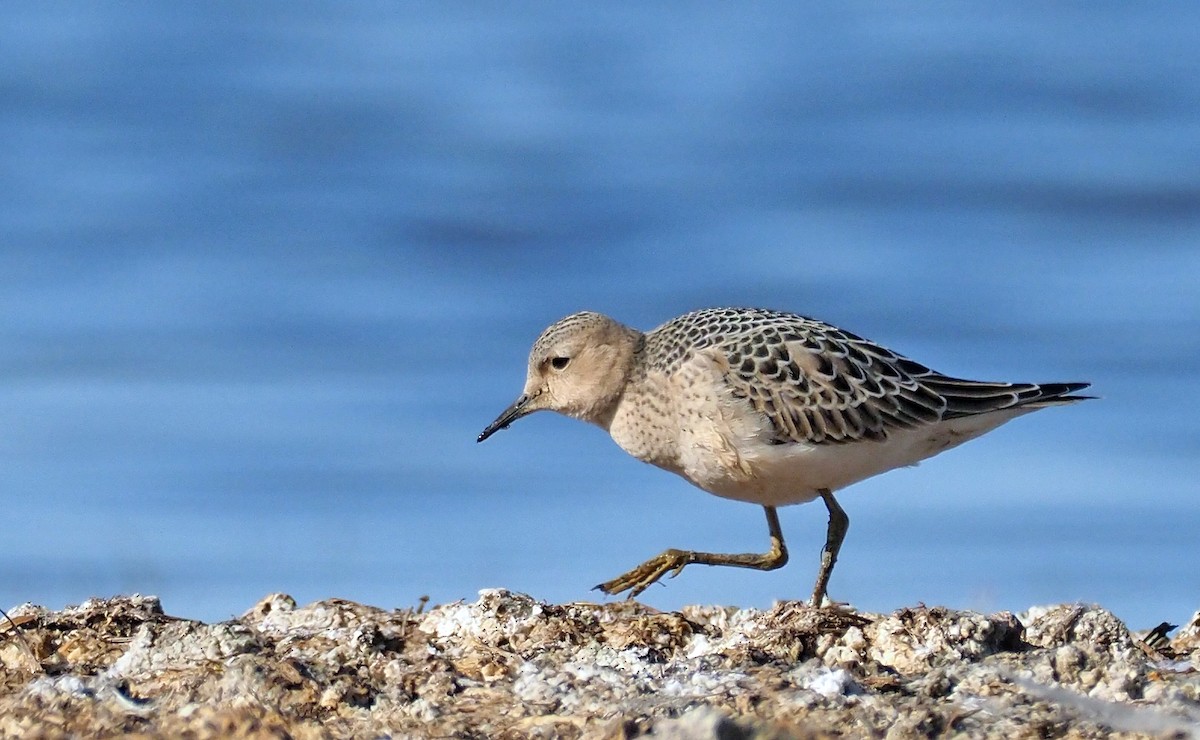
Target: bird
[(761, 406)]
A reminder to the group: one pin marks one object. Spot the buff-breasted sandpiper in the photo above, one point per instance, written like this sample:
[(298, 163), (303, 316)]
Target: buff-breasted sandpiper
[(761, 406)]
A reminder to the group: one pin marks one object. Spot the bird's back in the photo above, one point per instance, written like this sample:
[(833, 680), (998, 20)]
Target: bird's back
[(715, 392)]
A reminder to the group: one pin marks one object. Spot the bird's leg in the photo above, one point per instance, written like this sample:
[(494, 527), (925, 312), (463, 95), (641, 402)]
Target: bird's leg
[(673, 561), (838, 524)]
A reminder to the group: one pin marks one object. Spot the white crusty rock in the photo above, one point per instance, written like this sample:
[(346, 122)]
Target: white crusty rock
[(508, 666)]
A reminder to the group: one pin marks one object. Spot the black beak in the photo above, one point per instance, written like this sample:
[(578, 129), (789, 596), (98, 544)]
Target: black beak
[(508, 416)]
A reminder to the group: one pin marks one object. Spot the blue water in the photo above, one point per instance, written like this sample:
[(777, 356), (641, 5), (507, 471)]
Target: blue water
[(267, 269)]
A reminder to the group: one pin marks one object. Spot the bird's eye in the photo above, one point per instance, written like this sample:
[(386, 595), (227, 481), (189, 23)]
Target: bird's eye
[(559, 363)]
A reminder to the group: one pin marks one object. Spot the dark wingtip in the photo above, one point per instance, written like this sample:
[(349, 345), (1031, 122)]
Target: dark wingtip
[(969, 397), (1069, 387), (1063, 391), (1056, 394)]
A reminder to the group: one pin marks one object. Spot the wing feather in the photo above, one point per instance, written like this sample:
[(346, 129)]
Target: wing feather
[(817, 384)]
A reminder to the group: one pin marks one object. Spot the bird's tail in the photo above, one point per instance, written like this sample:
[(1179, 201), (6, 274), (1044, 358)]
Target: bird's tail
[(970, 397)]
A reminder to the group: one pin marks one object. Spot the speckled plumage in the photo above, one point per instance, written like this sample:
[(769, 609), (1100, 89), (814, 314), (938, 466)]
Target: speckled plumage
[(762, 406), (818, 384)]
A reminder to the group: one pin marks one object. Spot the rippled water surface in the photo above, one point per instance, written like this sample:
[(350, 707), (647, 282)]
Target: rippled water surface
[(266, 270)]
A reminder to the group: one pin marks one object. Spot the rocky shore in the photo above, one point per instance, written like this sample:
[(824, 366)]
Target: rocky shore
[(507, 666)]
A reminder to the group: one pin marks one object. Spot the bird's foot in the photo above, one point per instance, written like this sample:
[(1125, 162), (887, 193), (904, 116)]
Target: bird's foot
[(830, 604), (650, 572)]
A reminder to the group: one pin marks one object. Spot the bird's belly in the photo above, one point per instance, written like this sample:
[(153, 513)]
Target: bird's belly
[(775, 477), (779, 475)]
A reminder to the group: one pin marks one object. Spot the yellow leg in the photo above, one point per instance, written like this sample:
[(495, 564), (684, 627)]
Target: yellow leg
[(673, 561), (838, 524)]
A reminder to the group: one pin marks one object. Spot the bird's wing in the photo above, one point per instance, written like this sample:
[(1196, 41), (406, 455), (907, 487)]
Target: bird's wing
[(818, 384)]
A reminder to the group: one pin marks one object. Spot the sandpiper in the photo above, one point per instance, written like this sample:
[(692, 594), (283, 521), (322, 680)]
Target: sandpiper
[(761, 406)]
